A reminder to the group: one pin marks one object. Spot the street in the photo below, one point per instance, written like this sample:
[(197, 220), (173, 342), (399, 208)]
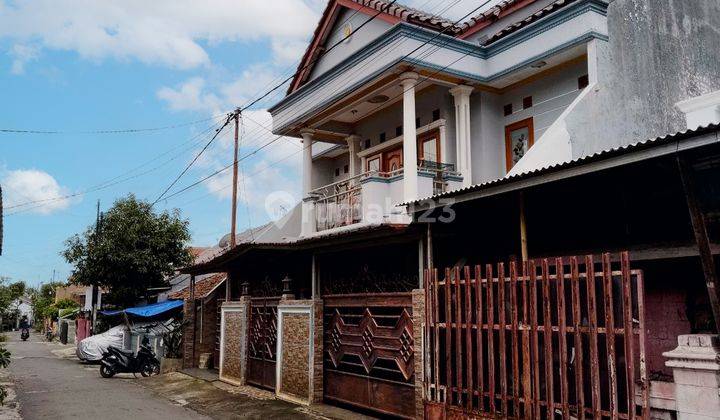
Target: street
[(51, 387)]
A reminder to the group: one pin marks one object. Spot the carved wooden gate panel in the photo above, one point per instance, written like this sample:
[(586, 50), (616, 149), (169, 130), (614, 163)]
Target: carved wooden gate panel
[(369, 353), (261, 342)]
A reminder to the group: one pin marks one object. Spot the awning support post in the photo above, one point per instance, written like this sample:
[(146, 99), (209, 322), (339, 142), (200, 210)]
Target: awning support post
[(697, 218)]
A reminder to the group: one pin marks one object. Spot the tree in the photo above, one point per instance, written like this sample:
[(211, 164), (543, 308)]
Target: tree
[(43, 301), (132, 249), (9, 294)]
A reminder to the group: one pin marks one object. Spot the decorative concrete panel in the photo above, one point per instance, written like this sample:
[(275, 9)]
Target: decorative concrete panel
[(294, 366), (232, 350)]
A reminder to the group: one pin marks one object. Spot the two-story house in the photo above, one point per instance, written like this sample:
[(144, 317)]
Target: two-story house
[(411, 104), (392, 105)]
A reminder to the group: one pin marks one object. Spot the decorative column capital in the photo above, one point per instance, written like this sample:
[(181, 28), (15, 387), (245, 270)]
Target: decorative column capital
[(352, 138), (307, 134), (460, 91), (408, 78)]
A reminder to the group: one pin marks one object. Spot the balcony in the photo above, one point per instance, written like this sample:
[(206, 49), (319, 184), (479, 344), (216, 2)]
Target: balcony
[(372, 197)]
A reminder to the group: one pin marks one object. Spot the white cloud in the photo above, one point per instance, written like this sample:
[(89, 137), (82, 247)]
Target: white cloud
[(37, 188), (163, 32), (190, 96), (21, 55)]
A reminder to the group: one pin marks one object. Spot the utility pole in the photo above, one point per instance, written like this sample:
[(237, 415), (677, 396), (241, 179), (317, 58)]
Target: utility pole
[(235, 181), (233, 220), (94, 288)]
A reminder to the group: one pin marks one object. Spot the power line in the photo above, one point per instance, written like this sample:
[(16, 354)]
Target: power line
[(219, 171), (301, 69), (197, 156), (107, 131), (110, 182)]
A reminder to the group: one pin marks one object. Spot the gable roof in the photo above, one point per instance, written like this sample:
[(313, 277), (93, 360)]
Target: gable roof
[(394, 13)]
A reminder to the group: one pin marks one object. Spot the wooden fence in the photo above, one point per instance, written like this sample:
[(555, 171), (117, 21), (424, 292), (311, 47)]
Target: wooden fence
[(549, 338)]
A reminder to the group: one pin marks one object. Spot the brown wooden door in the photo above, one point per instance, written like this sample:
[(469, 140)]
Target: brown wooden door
[(393, 160), (261, 342)]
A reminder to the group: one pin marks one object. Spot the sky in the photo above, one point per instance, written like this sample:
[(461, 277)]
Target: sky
[(75, 68)]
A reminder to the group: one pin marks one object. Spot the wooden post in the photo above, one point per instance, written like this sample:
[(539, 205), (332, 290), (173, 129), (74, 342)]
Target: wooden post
[(429, 250), (523, 227), (228, 287), (697, 218)]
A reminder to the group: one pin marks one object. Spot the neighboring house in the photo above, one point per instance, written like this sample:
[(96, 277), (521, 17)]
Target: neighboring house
[(434, 145), (204, 327), (24, 308), (178, 281), (82, 295)]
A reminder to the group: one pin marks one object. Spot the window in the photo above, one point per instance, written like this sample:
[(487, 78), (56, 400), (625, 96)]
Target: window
[(436, 114), (417, 122), (398, 130), (337, 171), (518, 139), (346, 169), (382, 137), (373, 164), (527, 102), (507, 110), (429, 150), (367, 143), (583, 82)]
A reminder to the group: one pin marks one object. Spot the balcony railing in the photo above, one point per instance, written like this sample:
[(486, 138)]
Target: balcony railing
[(338, 204), (341, 203), (440, 172)]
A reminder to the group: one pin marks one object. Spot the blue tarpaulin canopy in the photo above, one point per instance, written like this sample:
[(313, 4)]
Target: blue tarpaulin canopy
[(148, 311)]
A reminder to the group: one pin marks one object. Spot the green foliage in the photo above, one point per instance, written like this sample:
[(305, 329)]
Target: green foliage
[(133, 250), (66, 304), (173, 340), (43, 301), (4, 362), (9, 293)]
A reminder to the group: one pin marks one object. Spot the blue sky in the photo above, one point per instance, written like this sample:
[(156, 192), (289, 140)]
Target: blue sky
[(74, 66)]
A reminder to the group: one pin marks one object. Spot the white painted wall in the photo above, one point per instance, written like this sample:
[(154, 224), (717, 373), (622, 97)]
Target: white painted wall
[(362, 37), (388, 119), (551, 96), (302, 102)]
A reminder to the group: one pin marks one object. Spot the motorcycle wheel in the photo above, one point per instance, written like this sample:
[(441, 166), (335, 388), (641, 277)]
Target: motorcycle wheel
[(147, 369), (106, 371)]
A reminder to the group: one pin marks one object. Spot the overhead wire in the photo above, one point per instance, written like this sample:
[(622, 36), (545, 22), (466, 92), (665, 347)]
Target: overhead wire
[(217, 172)]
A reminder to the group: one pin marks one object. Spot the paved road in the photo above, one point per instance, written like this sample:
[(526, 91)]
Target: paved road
[(50, 387)]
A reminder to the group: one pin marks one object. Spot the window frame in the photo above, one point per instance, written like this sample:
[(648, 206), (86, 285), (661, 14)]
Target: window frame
[(527, 122)]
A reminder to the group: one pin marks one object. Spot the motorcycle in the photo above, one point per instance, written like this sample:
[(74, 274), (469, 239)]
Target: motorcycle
[(24, 334), (117, 360)]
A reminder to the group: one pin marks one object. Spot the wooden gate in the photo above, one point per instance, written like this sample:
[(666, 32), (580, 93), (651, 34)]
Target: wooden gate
[(261, 342), (560, 338), (369, 354)]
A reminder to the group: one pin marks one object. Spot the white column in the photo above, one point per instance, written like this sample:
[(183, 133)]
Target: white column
[(307, 136), (308, 223), (461, 94), (410, 158), (353, 149)]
